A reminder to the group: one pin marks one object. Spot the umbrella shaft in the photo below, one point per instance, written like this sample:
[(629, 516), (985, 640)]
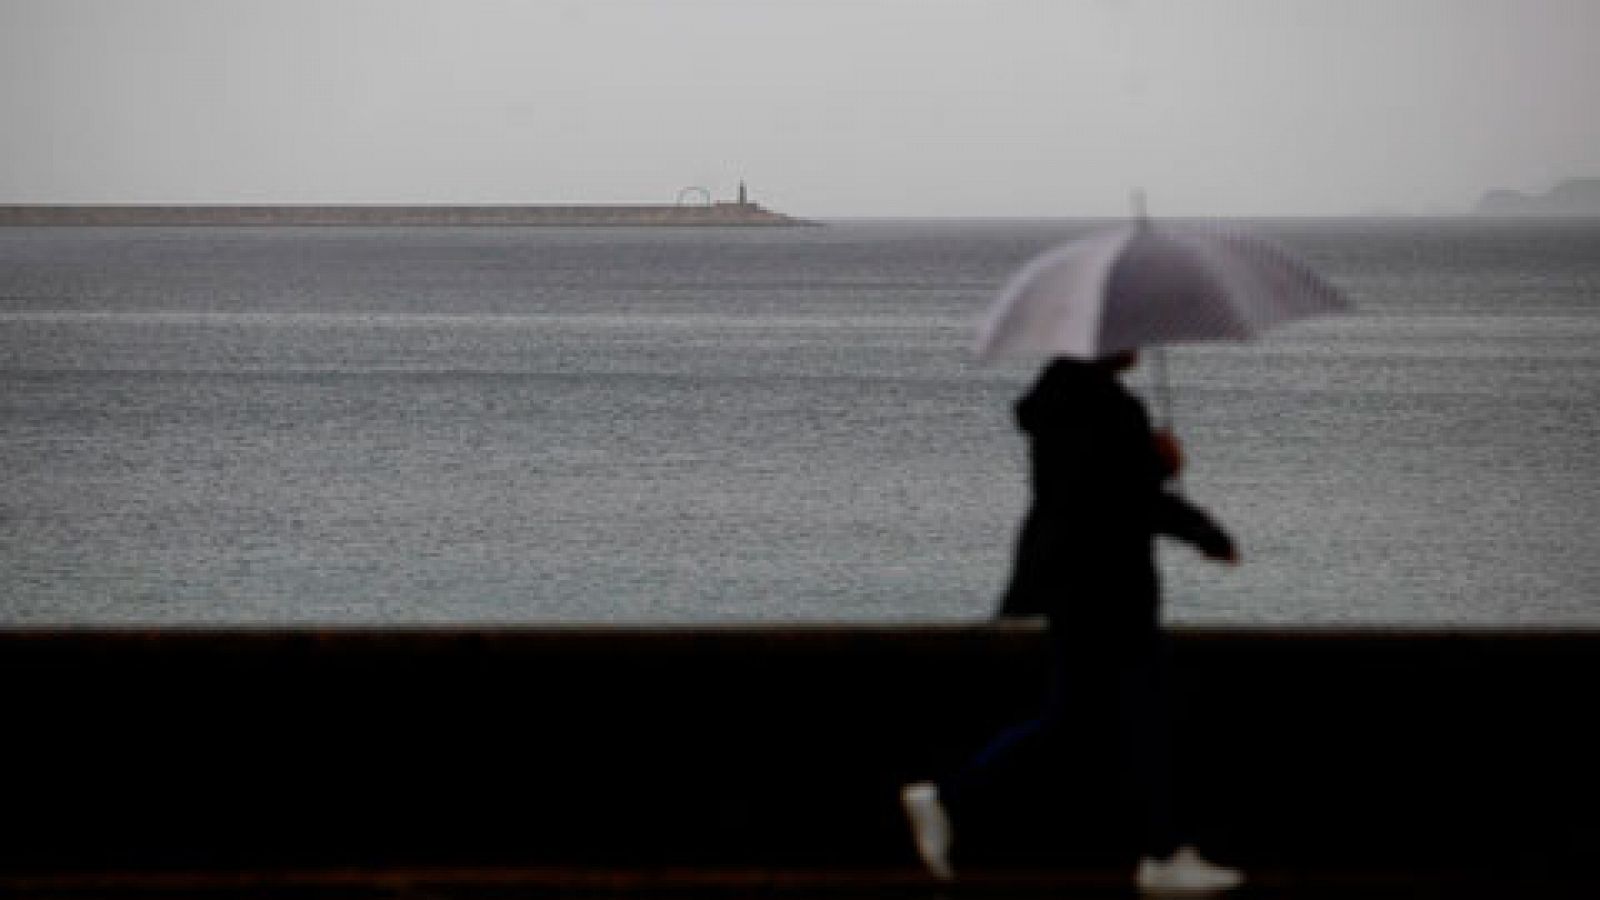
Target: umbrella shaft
[(1163, 387)]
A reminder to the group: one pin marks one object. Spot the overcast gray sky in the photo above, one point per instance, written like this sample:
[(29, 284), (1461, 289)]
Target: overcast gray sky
[(826, 107)]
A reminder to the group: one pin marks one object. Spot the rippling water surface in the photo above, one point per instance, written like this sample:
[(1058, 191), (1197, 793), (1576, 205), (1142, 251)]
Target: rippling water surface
[(537, 425)]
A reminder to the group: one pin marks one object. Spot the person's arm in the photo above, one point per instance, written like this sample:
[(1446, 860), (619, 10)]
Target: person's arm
[(1187, 522)]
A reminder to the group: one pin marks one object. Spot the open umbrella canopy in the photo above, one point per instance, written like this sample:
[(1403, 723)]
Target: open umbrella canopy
[(1148, 284)]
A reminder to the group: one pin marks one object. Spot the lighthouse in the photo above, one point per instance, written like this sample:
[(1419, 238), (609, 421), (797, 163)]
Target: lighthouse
[(744, 196)]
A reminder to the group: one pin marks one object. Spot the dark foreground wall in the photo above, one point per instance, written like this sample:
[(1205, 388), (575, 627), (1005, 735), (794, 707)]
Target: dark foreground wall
[(766, 747)]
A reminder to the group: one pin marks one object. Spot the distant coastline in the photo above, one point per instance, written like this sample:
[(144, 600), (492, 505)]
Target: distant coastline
[(702, 215), (1573, 198)]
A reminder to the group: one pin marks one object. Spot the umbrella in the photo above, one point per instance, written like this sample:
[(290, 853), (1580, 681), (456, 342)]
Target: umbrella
[(1148, 284)]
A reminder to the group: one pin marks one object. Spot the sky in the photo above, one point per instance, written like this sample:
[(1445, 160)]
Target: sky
[(826, 108)]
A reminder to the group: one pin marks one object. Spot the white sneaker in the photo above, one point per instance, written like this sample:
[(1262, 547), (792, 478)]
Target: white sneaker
[(1187, 872), (930, 827)]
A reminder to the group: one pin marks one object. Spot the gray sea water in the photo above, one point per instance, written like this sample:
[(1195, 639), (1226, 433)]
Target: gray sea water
[(650, 425)]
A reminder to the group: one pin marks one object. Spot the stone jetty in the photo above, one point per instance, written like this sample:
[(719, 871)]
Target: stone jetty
[(711, 214)]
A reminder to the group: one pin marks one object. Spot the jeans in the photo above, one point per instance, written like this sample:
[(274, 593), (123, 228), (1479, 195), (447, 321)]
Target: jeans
[(1100, 691)]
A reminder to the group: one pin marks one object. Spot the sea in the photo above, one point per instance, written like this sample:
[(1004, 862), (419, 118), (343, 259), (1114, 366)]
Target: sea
[(424, 426)]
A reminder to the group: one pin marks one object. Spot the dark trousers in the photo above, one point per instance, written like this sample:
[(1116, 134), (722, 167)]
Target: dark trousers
[(1112, 694)]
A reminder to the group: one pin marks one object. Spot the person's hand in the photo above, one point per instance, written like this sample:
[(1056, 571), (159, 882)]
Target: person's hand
[(1170, 451)]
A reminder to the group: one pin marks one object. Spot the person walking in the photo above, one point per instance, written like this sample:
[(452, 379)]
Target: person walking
[(1085, 560)]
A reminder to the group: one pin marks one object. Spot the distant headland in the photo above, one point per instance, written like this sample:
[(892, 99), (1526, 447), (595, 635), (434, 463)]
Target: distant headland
[(694, 208), (1575, 197)]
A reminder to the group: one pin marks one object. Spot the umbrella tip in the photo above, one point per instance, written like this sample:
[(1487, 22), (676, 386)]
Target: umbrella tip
[(1140, 213)]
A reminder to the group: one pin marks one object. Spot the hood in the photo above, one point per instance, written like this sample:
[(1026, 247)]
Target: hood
[(1067, 390)]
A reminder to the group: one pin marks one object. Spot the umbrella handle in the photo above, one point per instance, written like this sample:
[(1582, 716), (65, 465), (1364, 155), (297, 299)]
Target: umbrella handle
[(1163, 391)]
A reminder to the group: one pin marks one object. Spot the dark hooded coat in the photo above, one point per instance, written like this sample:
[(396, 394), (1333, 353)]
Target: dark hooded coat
[(1086, 554)]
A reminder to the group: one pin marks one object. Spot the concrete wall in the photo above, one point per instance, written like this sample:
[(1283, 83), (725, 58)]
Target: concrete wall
[(767, 747)]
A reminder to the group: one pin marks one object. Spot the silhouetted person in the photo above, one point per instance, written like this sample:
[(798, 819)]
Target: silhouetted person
[(1085, 560)]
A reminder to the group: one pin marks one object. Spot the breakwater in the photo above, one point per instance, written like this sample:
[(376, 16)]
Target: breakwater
[(715, 214), (770, 747)]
